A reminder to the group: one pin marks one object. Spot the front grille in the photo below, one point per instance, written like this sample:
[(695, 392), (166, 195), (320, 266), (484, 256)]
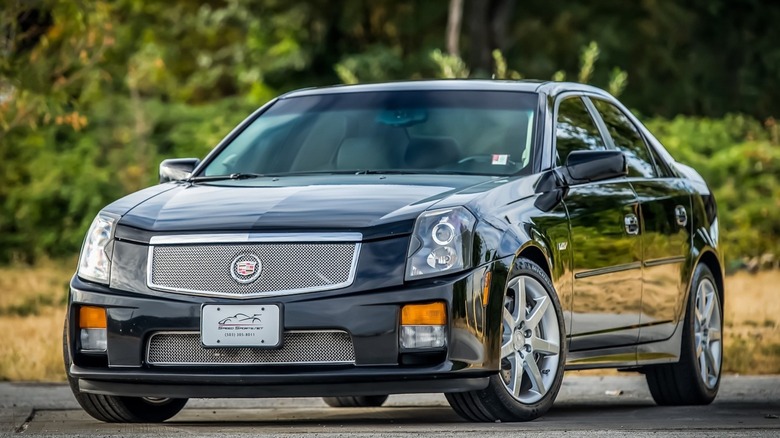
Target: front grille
[(211, 269), (300, 347)]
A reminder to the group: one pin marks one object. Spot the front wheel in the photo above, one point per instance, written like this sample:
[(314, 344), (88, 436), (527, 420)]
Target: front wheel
[(113, 409), (695, 379), (533, 353), (359, 401)]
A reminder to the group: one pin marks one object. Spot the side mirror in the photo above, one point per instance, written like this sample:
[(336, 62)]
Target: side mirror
[(587, 166), (176, 169)]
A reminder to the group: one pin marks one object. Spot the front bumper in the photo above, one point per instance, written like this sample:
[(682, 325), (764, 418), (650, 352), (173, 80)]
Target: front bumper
[(202, 385), (370, 317)]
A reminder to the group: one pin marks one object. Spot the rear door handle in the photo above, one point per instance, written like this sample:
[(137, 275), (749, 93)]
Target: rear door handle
[(632, 224)]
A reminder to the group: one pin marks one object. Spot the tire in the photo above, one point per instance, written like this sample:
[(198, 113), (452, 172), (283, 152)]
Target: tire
[(695, 379), (113, 409), (360, 401), (533, 349)]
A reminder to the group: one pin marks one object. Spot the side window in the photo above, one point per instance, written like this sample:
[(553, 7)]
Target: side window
[(660, 165), (626, 138), (575, 129)]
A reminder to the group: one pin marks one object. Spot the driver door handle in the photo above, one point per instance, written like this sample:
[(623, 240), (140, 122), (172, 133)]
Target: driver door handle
[(632, 224), (680, 215)]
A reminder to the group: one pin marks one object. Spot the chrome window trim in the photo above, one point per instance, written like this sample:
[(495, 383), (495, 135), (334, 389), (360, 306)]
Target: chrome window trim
[(256, 238), (204, 364)]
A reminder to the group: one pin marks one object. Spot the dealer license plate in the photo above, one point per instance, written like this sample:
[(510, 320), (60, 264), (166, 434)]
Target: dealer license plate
[(240, 326)]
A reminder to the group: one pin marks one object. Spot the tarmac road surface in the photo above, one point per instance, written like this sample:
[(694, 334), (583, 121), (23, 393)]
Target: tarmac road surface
[(614, 406)]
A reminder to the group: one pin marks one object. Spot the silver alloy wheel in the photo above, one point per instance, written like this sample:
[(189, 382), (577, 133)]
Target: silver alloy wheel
[(707, 328), (530, 348), (156, 400)]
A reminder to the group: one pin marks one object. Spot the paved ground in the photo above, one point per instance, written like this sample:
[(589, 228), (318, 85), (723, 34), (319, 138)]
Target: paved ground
[(586, 406)]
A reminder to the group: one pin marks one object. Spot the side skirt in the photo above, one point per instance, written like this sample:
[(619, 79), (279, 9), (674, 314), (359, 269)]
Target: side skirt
[(651, 353)]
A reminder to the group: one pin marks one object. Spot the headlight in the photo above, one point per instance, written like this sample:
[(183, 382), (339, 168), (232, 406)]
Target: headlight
[(95, 259), (441, 243)]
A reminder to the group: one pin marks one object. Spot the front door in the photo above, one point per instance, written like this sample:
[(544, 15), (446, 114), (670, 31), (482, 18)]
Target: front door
[(605, 238)]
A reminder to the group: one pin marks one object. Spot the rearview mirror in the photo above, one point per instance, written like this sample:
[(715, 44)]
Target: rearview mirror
[(587, 166), (176, 169)]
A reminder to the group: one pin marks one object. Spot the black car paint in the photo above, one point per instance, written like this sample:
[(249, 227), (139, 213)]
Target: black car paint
[(376, 205), (517, 216)]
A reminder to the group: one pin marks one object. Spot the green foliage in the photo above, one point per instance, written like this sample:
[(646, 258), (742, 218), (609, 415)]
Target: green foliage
[(376, 64), (740, 159), (346, 75), (94, 94), (588, 57), (450, 66), (618, 79), (559, 76), (501, 70)]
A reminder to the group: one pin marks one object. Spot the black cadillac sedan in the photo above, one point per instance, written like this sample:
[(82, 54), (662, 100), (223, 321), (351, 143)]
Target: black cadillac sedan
[(474, 238)]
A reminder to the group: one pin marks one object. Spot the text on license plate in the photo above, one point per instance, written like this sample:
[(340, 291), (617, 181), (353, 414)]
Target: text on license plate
[(240, 325)]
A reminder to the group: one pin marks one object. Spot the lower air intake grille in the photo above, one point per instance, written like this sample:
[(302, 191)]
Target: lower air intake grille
[(300, 347)]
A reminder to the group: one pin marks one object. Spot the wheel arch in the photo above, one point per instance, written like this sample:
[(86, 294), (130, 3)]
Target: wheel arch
[(554, 265), (710, 259), (537, 255)]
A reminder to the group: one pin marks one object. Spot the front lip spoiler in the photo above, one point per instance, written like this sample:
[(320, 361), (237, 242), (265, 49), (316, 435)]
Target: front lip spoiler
[(328, 374), (201, 385), (273, 391)]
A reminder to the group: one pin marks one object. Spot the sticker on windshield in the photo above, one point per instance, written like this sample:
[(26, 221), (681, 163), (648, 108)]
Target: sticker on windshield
[(500, 159)]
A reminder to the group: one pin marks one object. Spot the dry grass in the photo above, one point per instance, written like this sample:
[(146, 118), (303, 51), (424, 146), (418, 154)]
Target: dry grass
[(752, 320), (32, 305), (25, 290), (752, 325), (32, 311), (31, 346)]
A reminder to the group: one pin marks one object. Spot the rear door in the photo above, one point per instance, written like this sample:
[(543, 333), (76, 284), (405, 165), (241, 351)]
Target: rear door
[(605, 242), (665, 206)]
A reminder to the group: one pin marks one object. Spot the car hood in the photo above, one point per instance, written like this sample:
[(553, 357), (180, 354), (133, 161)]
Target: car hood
[(375, 205)]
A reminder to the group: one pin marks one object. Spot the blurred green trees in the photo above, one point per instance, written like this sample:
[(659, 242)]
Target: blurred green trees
[(740, 159), (94, 94)]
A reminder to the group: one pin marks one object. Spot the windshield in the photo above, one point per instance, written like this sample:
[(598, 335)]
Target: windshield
[(470, 132)]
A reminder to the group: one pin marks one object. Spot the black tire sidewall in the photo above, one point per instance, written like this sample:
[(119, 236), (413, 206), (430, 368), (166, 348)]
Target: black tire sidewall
[(361, 401), (688, 348), (144, 411), (525, 267)]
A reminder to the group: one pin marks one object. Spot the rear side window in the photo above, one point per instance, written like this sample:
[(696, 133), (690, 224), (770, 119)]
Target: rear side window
[(627, 138), (575, 129)]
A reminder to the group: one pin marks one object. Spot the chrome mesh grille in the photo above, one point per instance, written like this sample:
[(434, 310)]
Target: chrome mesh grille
[(285, 267), (300, 347)]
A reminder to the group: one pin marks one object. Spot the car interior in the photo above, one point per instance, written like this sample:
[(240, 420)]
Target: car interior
[(481, 142)]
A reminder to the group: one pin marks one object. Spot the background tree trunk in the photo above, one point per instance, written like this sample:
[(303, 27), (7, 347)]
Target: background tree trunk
[(488, 23), (454, 20)]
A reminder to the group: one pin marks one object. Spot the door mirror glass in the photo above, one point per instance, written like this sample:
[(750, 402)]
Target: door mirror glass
[(587, 166), (177, 169)]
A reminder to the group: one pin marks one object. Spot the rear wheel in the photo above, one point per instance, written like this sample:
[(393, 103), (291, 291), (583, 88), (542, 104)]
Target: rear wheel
[(533, 353), (360, 401), (695, 379), (113, 409)]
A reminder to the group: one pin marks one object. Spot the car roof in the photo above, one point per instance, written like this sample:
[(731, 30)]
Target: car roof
[(528, 86)]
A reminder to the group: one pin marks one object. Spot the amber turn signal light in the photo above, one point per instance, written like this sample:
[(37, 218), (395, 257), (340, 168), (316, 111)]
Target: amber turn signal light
[(424, 314), (486, 287), (92, 317)]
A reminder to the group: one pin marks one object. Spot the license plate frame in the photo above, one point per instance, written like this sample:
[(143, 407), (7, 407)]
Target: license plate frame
[(241, 325)]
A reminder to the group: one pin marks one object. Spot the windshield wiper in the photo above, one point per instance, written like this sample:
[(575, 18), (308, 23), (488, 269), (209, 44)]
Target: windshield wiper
[(394, 172), (225, 177)]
